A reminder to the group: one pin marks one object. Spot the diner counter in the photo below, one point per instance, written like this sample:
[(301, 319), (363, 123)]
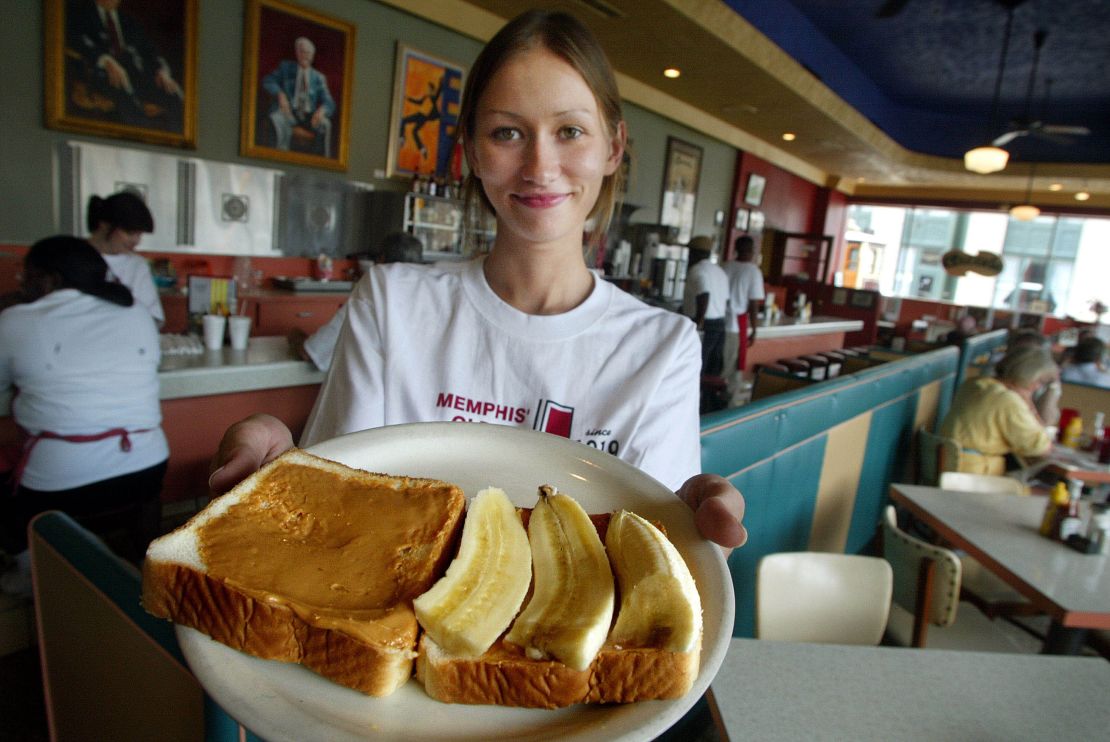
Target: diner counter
[(789, 327), (267, 363)]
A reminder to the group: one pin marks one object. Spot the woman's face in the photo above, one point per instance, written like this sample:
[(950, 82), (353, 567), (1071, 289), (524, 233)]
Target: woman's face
[(124, 240), (541, 149)]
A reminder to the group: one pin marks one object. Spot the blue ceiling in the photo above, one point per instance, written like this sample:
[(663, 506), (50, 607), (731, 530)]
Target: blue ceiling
[(926, 75)]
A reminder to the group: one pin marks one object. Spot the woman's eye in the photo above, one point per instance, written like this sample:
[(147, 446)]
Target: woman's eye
[(504, 134), (572, 132)]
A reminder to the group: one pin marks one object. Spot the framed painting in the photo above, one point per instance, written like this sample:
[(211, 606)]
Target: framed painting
[(427, 91), (753, 194), (297, 72), (680, 186), (122, 70)]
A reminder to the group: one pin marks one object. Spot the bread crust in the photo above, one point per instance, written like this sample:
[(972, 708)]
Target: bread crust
[(503, 676), (185, 593)]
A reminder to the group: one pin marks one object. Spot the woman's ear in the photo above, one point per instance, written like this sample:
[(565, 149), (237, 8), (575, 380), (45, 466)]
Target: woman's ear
[(617, 145)]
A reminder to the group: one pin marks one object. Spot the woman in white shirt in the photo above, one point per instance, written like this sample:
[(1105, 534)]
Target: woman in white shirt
[(526, 335), (83, 358), (116, 225)]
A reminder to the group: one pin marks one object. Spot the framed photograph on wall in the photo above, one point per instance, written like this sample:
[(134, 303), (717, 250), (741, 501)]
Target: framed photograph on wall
[(681, 172), (297, 71), (427, 91), (741, 220), (127, 72), (753, 194)]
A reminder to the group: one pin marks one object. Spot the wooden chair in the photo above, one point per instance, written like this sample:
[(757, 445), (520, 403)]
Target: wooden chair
[(810, 596), (927, 592), (110, 669), (935, 454), (981, 587)]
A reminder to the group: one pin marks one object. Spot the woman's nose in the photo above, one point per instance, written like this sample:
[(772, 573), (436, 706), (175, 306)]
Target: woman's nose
[(541, 161)]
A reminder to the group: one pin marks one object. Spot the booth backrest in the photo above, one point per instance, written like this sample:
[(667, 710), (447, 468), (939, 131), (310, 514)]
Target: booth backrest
[(978, 352), (815, 464)]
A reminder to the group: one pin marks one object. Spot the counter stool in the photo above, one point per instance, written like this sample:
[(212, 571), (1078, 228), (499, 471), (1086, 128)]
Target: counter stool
[(796, 366), (818, 366), (836, 362)]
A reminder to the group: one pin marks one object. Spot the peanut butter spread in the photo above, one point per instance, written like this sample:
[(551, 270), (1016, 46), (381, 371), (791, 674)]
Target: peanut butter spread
[(340, 553)]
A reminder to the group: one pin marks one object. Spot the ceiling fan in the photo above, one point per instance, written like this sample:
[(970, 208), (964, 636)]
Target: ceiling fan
[(1025, 126)]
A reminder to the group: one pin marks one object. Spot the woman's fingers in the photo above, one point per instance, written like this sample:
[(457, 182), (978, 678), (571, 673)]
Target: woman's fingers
[(245, 448), (718, 509)]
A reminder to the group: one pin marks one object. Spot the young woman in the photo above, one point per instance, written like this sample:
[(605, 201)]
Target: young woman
[(84, 360), (525, 335), (116, 225)]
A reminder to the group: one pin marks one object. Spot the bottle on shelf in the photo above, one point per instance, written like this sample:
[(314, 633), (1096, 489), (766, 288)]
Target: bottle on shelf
[(1098, 433)]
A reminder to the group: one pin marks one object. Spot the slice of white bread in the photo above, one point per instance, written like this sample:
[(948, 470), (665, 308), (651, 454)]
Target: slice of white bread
[(313, 562), (504, 676)]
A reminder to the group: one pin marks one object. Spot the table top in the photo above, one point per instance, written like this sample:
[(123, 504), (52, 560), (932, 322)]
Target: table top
[(1002, 532), (769, 690), (1073, 464), (785, 327)]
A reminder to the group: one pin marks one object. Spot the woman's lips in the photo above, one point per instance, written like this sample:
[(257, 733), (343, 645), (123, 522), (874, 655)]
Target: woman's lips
[(540, 200)]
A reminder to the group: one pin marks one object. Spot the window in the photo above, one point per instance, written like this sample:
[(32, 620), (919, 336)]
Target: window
[(1052, 264)]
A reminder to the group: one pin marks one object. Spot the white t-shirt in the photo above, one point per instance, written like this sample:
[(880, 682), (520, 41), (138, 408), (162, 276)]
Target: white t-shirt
[(705, 277), (82, 365), (427, 343), (1085, 373), (134, 272), (745, 283)]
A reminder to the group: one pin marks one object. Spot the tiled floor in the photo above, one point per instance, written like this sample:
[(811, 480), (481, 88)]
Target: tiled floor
[(21, 702)]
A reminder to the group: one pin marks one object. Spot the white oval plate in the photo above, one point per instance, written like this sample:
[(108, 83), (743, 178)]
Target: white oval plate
[(282, 701)]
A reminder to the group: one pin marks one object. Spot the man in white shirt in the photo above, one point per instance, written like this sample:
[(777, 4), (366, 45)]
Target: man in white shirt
[(705, 300), (746, 296)]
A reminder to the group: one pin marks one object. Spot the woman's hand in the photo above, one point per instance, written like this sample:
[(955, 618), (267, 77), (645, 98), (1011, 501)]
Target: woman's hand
[(245, 447), (718, 509)]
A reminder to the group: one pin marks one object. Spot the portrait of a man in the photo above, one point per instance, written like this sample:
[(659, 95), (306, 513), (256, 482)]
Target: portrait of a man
[(122, 67), (302, 104), (296, 84)]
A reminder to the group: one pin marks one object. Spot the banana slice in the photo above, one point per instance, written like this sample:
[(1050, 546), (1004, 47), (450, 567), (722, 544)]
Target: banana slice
[(483, 588), (660, 606), (571, 609)]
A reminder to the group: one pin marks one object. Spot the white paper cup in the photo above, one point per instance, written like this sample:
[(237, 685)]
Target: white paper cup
[(239, 328), (214, 325)]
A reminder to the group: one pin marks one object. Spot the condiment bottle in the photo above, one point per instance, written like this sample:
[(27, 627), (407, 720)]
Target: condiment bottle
[(1070, 523), (1072, 432), (1057, 503), (1097, 433)]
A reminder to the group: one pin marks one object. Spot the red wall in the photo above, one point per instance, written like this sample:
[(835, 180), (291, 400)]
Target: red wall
[(790, 203)]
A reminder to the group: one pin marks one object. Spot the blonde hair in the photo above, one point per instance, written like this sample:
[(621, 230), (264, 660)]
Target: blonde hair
[(567, 38)]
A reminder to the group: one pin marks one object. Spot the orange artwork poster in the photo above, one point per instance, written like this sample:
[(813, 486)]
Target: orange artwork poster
[(425, 112)]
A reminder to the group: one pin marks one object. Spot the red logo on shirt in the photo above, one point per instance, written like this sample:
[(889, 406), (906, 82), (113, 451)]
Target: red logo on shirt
[(554, 418)]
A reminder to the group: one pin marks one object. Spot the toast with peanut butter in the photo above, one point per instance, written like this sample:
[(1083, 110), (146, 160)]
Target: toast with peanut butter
[(313, 562)]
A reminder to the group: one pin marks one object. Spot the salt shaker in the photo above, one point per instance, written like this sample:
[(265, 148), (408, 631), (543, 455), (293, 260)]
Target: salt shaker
[(1098, 528)]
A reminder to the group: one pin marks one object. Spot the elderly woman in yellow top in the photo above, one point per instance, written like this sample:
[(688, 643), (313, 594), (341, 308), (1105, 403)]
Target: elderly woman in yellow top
[(995, 416)]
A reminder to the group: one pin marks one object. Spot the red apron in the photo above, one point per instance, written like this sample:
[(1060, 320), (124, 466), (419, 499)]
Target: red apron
[(33, 439), (742, 349)]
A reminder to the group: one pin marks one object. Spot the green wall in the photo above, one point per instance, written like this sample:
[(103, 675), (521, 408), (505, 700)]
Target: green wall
[(29, 153)]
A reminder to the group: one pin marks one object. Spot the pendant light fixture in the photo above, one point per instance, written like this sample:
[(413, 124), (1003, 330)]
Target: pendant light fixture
[(989, 158), (1026, 211)]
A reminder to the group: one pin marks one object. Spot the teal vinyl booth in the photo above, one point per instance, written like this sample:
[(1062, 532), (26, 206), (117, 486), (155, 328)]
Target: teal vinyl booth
[(977, 353), (815, 464)]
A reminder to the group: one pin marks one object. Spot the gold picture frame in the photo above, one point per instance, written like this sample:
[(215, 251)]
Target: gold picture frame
[(290, 115), (130, 74), (427, 93)]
